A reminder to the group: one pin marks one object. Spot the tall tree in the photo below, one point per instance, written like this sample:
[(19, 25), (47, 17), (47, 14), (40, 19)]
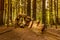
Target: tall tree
[(10, 11), (29, 8), (5, 16), (51, 12), (56, 12), (9, 19), (18, 6), (34, 9), (25, 6), (44, 15), (1, 11)]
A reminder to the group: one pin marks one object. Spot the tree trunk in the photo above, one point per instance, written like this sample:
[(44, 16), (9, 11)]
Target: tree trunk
[(34, 9), (51, 14), (10, 11), (43, 15), (29, 8), (1, 11), (56, 12)]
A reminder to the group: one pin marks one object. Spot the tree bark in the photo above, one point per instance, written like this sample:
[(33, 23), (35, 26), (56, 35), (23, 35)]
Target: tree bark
[(29, 8), (34, 9), (1, 11), (51, 14), (43, 15), (56, 12)]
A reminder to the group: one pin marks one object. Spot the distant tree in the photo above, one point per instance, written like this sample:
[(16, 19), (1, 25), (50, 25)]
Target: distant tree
[(56, 12), (9, 14), (44, 15), (51, 12), (34, 9), (1, 11), (29, 8)]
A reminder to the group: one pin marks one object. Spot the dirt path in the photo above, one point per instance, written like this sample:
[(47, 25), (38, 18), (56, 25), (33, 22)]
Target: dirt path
[(24, 34)]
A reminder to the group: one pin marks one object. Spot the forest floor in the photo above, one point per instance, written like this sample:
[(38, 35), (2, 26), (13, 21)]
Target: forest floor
[(11, 33)]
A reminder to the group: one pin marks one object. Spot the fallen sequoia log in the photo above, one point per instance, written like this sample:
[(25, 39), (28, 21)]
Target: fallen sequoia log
[(35, 26)]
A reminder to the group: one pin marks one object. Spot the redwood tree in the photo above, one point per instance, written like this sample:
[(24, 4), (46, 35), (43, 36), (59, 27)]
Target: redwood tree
[(34, 9), (43, 15), (1, 11), (29, 8)]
